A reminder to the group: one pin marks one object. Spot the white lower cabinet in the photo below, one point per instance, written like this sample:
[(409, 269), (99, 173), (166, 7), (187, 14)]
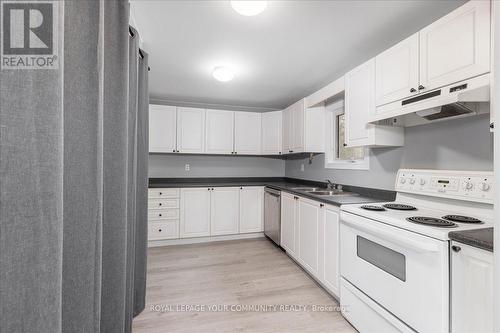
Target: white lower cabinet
[(163, 213), (224, 212), (251, 209), (471, 289), (288, 222), (195, 212), (310, 235), (310, 215)]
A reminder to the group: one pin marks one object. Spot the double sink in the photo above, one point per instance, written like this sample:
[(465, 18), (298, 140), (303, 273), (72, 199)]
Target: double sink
[(322, 192)]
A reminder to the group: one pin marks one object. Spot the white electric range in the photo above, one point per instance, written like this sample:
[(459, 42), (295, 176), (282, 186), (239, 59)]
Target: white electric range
[(394, 256)]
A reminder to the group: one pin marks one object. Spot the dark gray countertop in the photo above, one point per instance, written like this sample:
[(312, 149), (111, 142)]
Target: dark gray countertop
[(360, 194), (480, 238)]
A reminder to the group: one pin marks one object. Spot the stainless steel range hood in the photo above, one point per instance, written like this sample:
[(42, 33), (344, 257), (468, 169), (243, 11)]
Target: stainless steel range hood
[(458, 100)]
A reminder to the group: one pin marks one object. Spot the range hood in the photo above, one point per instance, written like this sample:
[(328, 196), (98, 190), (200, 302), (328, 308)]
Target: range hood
[(462, 99)]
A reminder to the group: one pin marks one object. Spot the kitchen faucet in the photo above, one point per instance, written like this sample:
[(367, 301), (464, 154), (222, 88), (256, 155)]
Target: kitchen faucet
[(331, 186)]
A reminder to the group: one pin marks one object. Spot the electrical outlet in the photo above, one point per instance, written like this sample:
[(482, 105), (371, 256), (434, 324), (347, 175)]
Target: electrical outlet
[(187, 167), (302, 167)]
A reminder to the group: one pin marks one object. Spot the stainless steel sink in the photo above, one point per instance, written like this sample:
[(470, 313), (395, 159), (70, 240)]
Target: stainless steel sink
[(330, 193), (306, 189)]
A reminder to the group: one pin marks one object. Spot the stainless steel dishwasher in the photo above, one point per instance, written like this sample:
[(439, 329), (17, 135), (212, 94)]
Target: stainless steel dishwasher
[(272, 214)]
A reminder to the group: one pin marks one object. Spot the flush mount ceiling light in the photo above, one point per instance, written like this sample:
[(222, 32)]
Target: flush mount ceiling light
[(223, 74), (249, 8)]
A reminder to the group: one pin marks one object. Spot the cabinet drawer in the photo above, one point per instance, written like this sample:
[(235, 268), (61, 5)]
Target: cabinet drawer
[(163, 203), (163, 192), (163, 230), (163, 214)]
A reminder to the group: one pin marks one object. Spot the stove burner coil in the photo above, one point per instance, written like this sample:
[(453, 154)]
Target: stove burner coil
[(431, 221), (462, 219), (397, 206), (372, 207)]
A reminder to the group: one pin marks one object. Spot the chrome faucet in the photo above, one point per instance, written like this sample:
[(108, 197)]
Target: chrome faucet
[(330, 186)]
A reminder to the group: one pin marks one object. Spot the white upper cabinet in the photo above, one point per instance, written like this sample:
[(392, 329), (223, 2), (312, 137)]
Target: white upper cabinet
[(162, 128), (224, 210), (360, 105), (219, 132), (190, 130), (298, 120), (271, 133), (396, 71), (251, 209), (303, 128), (247, 133), (456, 47), (287, 130)]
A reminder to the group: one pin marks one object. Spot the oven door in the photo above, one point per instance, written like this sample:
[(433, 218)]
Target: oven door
[(404, 272)]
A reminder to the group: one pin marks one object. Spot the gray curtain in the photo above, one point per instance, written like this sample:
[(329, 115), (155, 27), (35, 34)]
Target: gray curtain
[(73, 179)]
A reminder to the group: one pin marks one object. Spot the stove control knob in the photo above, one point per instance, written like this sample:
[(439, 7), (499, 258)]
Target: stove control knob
[(422, 181), (402, 180), (468, 185), (412, 181), (485, 187)]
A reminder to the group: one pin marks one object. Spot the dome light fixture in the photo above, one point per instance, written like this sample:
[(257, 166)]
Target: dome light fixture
[(223, 74), (249, 8)]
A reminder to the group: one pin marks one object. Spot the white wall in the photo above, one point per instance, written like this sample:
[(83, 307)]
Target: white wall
[(461, 144), (172, 166)]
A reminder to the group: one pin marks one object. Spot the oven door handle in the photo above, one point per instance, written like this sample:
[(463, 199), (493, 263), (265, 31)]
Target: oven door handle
[(402, 241)]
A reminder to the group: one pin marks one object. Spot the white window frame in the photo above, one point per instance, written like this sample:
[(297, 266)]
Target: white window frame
[(331, 161)]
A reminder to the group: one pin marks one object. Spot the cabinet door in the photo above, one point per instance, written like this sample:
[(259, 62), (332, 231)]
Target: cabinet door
[(330, 255), (360, 104), (396, 71), (471, 289), (195, 212), (308, 222), (271, 133), (298, 115), (162, 128), (288, 222), (251, 209), (247, 129), (219, 132), (190, 130), (224, 212), (456, 47), (287, 131)]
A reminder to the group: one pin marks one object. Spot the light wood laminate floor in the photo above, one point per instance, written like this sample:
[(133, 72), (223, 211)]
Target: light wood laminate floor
[(232, 273)]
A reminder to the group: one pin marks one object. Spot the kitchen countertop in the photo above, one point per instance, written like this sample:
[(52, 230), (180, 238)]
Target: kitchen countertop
[(360, 194), (480, 238)]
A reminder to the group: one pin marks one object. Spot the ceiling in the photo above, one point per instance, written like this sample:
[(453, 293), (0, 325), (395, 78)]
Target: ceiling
[(289, 51)]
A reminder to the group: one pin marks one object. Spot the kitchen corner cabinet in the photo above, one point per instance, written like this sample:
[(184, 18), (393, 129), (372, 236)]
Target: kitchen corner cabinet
[(456, 47), (224, 210), (303, 128), (247, 133), (471, 308), (162, 128), (219, 132), (194, 212), (360, 105), (190, 130), (272, 133), (251, 209), (396, 71)]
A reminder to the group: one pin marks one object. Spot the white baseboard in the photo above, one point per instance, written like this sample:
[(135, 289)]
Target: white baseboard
[(195, 240)]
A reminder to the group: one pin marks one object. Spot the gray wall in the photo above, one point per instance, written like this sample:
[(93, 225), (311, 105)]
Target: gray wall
[(167, 166), (460, 144)]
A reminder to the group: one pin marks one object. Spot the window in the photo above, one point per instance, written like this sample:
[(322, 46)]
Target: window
[(338, 155)]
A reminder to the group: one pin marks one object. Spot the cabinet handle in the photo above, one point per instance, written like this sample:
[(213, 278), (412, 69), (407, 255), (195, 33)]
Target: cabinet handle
[(241, 188), (492, 125), (159, 230), (159, 204), (279, 153), (291, 151), (321, 205), (208, 189), (173, 150), (159, 215), (421, 87), (161, 193), (412, 90), (456, 248), (345, 144), (177, 151)]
